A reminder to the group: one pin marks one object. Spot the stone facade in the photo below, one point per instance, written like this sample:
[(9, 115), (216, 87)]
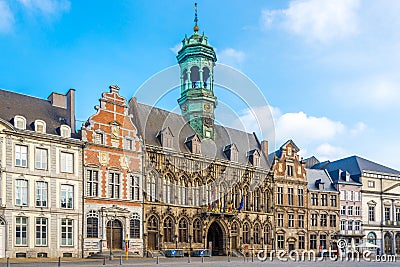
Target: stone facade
[(113, 179), (41, 178)]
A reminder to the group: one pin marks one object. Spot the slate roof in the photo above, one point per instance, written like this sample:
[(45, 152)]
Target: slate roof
[(355, 165), (314, 175), (32, 108), (151, 120)]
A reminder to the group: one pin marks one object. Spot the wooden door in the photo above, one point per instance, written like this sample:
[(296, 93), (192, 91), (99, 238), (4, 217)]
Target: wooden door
[(116, 234), (152, 241), (234, 242)]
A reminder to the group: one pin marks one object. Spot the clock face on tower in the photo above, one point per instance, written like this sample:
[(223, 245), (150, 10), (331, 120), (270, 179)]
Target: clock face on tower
[(208, 121)]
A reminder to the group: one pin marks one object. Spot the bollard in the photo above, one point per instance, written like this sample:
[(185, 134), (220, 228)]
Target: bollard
[(202, 258), (244, 258), (229, 258), (8, 262), (252, 257), (157, 260), (104, 260), (189, 258), (59, 261), (120, 260)]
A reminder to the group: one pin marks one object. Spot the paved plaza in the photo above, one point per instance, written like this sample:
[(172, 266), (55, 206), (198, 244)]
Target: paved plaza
[(214, 261)]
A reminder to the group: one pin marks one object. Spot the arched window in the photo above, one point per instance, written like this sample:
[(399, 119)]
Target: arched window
[(397, 241), (40, 126), (209, 196), (206, 76), (183, 231), (152, 224), (196, 192), (168, 189), (168, 229), (135, 226), (388, 239), (92, 224), (151, 187), (197, 231), (256, 234), (234, 228), (267, 234), (222, 196), (371, 238), (236, 196), (20, 122), (184, 78), (267, 201), (183, 188), (65, 131), (195, 76), (256, 200), (246, 233)]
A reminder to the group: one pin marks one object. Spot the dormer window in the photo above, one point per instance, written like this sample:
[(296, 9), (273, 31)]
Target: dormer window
[(231, 152), (193, 142), (254, 157), (20, 122), (65, 131), (40, 126), (165, 137), (319, 184)]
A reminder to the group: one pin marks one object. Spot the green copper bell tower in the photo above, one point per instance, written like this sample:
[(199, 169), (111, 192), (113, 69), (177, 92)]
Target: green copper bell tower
[(197, 102)]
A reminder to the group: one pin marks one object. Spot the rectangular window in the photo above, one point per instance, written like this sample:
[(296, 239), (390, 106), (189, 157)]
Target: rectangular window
[(290, 196), (314, 199), (387, 213), (350, 210), (322, 241), (67, 162), (342, 225), (113, 185), (342, 210), (300, 192), (99, 138), (41, 232), (358, 210), (350, 195), (291, 220), (357, 226), (324, 200), (350, 225), (371, 184), (302, 242), (332, 220), (324, 220), (21, 227), (41, 194), (92, 186), (290, 170), (129, 144), (313, 241), (21, 192), (301, 221), (314, 221), (41, 158), (21, 156), (135, 189), (357, 196), (67, 229), (67, 196), (398, 214), (280, 219), (333, 201), (281, 241), (342, 195), (280, 195), (371, 213)]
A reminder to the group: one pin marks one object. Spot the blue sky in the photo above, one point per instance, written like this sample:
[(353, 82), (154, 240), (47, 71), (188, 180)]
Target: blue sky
[(329, 69)]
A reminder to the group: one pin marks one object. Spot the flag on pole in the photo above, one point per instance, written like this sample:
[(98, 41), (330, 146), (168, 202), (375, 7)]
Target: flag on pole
[(241, 204)]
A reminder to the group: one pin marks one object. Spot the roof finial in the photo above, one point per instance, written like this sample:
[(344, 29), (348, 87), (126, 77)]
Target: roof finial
[(195, 28)]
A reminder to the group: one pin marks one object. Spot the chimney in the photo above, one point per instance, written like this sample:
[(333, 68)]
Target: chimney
[(57, 100), (71, 109), (264, 147)]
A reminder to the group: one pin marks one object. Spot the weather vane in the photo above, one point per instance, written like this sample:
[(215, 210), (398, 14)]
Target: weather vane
[(196, 28)]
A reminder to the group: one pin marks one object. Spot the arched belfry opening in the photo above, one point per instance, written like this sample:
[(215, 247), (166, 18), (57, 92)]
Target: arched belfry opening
[(216, 239), (195, 77)]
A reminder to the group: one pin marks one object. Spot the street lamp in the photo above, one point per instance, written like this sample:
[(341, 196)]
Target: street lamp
[(111, 218)]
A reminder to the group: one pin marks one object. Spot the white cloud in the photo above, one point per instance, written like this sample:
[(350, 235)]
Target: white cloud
[(230, 56), (47, 7), (6, 17), (358, 128), (316, 20), (175, 49), (326, 151)]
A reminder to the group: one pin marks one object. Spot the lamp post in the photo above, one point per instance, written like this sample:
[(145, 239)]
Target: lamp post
[(111, 218)]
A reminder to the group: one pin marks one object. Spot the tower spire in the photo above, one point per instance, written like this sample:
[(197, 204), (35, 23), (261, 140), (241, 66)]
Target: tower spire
[(195, 28)]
